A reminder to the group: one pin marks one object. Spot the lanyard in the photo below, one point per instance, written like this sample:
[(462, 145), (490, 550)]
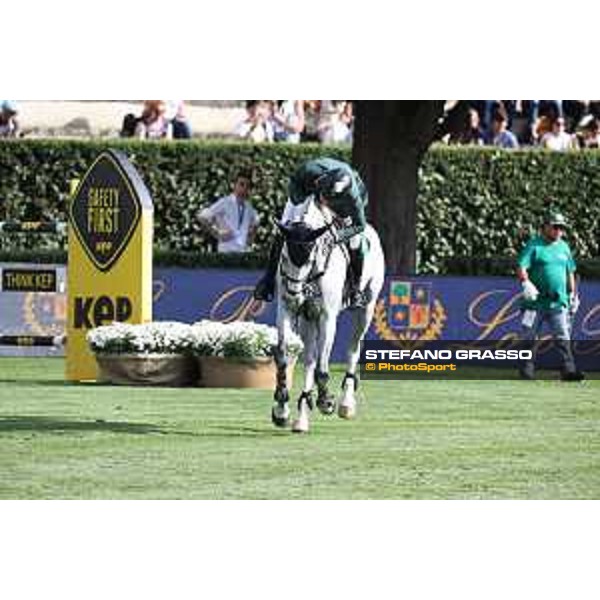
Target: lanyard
[(241, 212)]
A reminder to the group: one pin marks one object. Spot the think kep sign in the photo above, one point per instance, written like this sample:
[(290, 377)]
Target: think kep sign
[(28, 280), (110, 256)]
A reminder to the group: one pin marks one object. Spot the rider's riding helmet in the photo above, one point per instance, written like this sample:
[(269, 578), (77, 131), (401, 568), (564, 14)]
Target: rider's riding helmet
[(333, 184)]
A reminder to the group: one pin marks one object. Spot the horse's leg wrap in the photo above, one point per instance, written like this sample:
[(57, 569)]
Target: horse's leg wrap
[(281, 390), (325, 400), (281, 395), (281, 378), (354, 379), (280, 412), (322, 380), (306, 397)]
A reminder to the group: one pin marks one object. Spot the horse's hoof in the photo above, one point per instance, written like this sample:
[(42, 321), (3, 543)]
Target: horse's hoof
[(301, 425), (281, 423), (326, 403), (326, 407), (346, 412), (296, 429), (280, 417)]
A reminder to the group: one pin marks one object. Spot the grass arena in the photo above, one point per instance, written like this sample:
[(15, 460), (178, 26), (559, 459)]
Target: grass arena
[(411, 439)]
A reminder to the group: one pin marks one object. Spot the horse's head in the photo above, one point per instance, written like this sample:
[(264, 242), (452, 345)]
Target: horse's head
[(300, 241), (301, 256)]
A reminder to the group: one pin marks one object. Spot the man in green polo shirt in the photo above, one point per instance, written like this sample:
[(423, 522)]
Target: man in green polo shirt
[(546, 270)]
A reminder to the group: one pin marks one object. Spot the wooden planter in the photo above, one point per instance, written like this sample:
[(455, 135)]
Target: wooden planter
[(170, 370), (219, 372)]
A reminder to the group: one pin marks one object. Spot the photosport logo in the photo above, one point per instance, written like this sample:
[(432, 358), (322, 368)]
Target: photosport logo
[(479, 359), (409, 312)]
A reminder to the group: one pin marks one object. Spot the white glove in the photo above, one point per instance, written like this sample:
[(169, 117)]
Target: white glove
[(574, 303), (530, 292)]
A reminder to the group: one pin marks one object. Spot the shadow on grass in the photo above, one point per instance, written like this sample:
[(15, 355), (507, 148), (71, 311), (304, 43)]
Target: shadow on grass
[(44, 382), (48, 424), (41, 424), (225, 431), (31, 382)]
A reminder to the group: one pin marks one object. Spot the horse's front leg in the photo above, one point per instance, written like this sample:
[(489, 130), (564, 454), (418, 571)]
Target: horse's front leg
[(305, 401), (305, 405), (327, 330), (361, 318), (280, 412), (309, 336)]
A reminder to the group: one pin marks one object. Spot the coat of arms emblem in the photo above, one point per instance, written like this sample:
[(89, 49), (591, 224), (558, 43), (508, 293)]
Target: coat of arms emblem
[(410, 312)]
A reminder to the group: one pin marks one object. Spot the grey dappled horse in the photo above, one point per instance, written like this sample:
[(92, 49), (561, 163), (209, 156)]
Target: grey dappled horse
[(311, 284)]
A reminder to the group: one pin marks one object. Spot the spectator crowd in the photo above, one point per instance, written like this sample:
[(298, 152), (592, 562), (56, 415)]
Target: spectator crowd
[(159, 119), (291, 121), (9, 124), (552, 124), (294, 121)]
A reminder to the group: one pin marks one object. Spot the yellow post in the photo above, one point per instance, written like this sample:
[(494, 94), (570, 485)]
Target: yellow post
[(110, 256)]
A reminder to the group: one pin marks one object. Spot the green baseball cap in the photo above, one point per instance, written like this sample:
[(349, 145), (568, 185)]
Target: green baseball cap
[(555, 218)]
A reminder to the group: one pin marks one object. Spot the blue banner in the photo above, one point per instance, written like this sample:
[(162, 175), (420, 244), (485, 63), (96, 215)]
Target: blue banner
[(426, 308), (33, 313), (419, 308)]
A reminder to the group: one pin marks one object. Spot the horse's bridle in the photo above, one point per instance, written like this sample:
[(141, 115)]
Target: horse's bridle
[(314, 274)]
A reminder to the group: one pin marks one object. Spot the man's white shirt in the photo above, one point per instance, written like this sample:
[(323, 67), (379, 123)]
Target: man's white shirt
[(239, 218)]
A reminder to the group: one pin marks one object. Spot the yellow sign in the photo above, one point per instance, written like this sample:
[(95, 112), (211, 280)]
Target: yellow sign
[(110, 256)]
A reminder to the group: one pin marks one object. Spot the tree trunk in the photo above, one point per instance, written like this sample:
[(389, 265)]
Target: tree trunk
[(390, 139)]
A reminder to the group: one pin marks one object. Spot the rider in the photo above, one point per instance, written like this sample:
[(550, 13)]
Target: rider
[(335, 184)]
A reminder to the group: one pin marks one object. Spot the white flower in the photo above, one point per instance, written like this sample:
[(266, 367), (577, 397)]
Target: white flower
[(163, 337), (242, 339)]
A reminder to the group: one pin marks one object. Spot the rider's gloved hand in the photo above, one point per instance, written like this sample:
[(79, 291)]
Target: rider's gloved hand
[(530, 292)]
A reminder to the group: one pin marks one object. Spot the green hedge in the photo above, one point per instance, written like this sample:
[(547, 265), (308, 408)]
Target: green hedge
[(458, 265), (485, 203), (473, 202), (499, 266), (162, 258), (182, 177)]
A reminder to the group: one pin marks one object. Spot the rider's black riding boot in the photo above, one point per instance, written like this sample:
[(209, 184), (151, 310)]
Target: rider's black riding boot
[(356, 298), (265, 288)]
